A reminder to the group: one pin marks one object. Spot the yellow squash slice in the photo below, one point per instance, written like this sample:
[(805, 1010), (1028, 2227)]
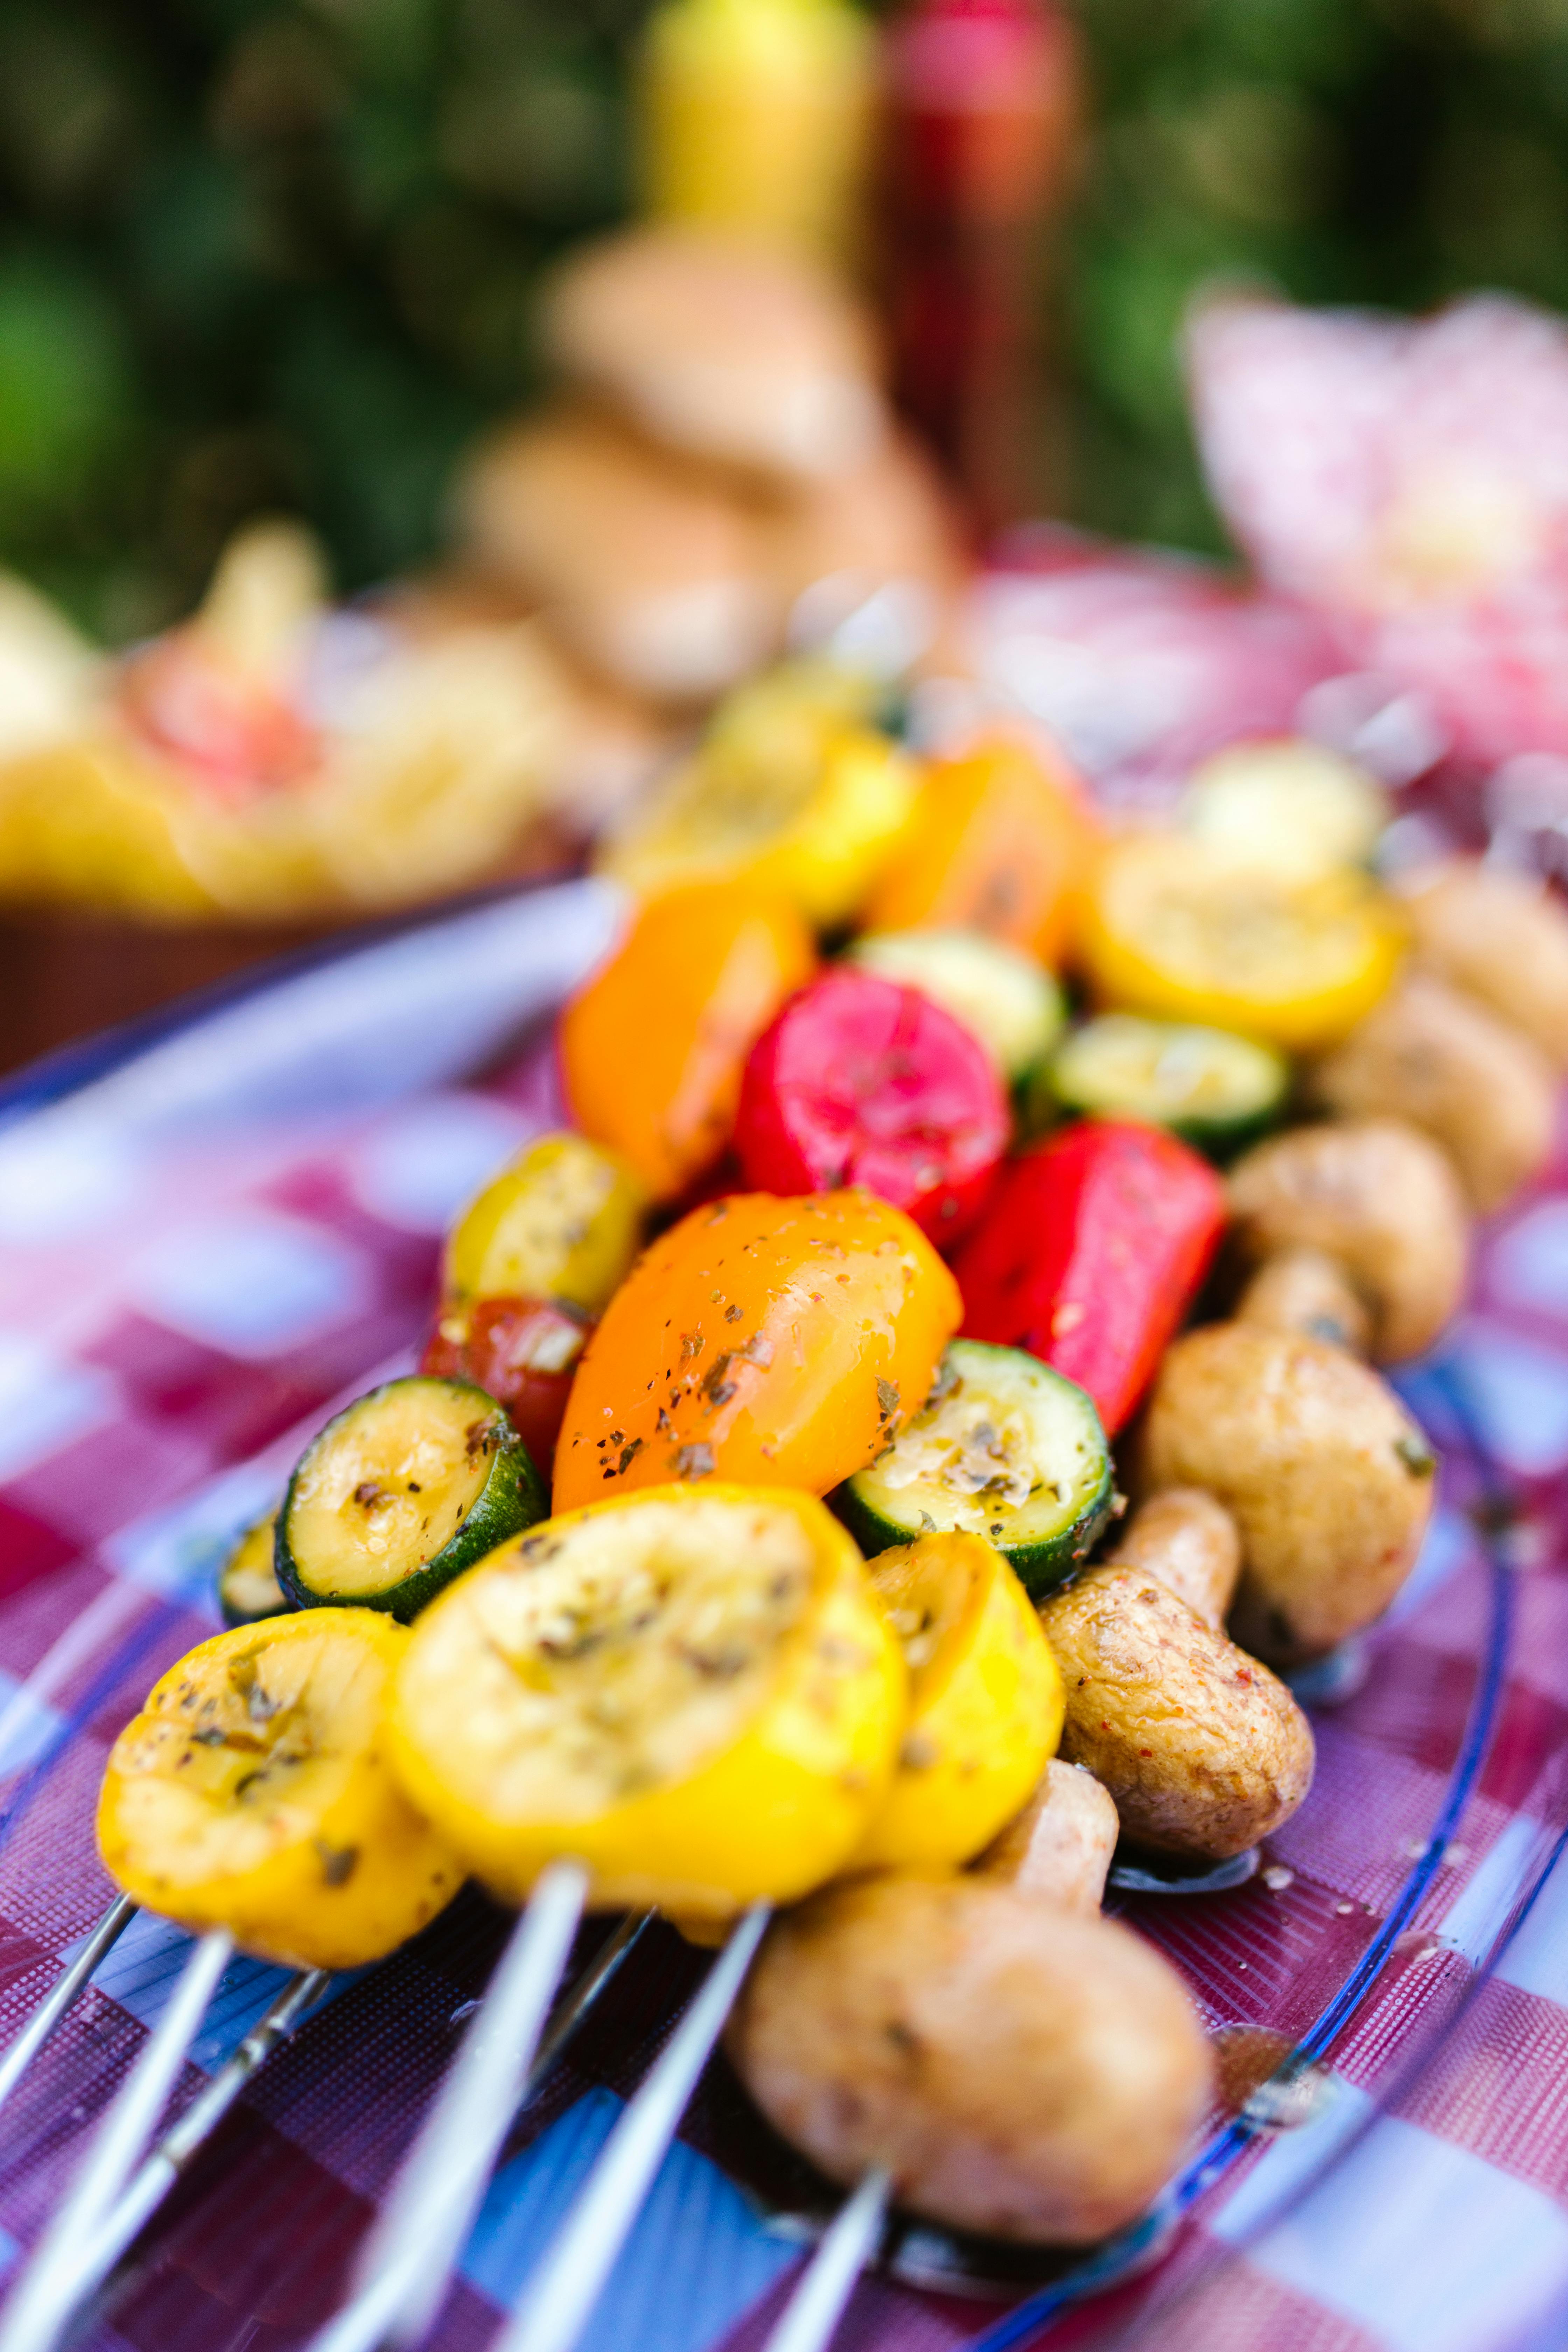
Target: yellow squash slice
[(689, 1689), (986, 1701), (253, 1792), (1177, 927), (789, 792), (247, 1586)]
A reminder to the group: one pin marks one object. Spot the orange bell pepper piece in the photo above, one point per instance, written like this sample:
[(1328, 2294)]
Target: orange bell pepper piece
[(767, 1342), (1001, 841), (653, 1046)]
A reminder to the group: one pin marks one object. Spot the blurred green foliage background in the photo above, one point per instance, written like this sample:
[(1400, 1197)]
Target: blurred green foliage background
[(262, 253)]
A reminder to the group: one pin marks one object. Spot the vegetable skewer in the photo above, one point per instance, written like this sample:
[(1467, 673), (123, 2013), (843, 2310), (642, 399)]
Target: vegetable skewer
[(675, 1345)]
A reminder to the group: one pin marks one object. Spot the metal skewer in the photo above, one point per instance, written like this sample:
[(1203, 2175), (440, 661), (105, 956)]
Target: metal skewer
[(137, 2203), (560, 2295), (407, 2263), (46, 2294), (403, 2269), (66, 1988), (814, 2309), (98, 2237)]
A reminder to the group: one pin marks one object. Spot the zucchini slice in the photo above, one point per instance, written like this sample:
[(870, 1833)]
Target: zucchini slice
[(1216, 1089), (409, 1486), (1004, 1447), (247, 1586), (1009, 1001)]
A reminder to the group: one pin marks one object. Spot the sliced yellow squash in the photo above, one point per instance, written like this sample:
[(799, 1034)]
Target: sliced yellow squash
[(247, 1586), (803, 801), (689, 1689), (1177, 927), (986, 1701), (253, 1792)]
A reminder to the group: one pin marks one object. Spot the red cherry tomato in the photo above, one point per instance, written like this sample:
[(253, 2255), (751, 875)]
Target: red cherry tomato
[(1094, 1244), (524, 1353), (861, 1081)]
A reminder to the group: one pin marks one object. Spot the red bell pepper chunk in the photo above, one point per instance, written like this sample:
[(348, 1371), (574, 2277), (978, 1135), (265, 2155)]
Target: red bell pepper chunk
[(1092, 1249), (523, 1352), (862, 1081)]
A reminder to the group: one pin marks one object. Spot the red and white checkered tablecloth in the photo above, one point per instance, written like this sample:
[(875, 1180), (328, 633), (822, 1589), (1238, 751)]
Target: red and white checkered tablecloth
[(201, 1253)]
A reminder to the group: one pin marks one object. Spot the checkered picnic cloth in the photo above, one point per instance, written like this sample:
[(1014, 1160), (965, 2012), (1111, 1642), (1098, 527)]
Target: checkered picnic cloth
[(202, 1252)]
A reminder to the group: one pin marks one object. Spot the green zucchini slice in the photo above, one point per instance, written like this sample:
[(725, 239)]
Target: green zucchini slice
[(1209, 1085), (247, 1586), (409, 1486), (1004, 1447), (1009, 1001)]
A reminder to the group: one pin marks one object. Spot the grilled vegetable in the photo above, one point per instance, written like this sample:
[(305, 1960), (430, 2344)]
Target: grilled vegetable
[(1378, 1196), (1173, 927), (1061, 1844), (561, 1223), (1441, 1060), (524, 1352), (692, 1690), (252, 1792), (1214, 1089), (776, 1342), (1503, 938), (399, 1494), (1323, 1471), (1304, 1290), (247, 1586), (1017, 2069), (786, 794), (1205, 1751), (1009, 1001), (1000, 842), (1091, 1248), (985, 1700), (859, 1081), (1006, 1448), (1288, 805), (1191, 1544), (653, 1046)]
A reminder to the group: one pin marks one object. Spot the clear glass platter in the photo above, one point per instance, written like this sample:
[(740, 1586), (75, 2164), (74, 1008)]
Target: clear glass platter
[(215, 1226)]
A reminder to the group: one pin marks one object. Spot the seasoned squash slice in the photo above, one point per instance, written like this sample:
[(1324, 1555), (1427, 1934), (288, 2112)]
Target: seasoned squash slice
[(252, 1792), (986, 1701), (247, 1586), (692, 1690)]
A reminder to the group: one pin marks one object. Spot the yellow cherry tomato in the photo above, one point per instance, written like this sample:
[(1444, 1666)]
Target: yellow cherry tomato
[(787, 793), (253, 1794), (652, 1047), (779, 1342), (691, 1691), (562, 1220), (986, 1701), (1174, 927)]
